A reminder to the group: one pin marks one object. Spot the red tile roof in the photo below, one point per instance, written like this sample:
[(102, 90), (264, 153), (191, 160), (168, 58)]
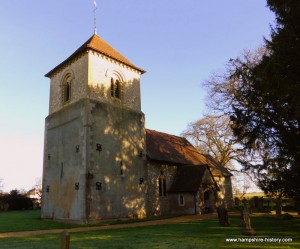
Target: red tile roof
[(173, 149), (168, 148), (96, 44)]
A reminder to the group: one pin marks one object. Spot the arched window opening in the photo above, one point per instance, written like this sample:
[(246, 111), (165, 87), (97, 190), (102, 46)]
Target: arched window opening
[(115, 88), (112, 88), (67, 90)]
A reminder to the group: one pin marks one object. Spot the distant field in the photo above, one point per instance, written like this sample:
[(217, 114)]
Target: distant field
[(192, 235), (250, 195)]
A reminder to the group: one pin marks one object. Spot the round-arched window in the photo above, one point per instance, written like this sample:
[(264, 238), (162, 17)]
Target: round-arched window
[(115, 88), (66, 88)]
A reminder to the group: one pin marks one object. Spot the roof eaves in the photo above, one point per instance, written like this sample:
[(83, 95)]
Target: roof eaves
[(79, 53), (60, 65), (87, 46)]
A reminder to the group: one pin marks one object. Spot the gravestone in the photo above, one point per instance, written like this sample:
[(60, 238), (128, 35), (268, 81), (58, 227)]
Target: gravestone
[(245, 205), (242, 222), (247, 230)]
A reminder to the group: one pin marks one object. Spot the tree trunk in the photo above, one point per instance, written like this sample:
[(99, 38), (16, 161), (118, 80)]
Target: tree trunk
[(278, 207)]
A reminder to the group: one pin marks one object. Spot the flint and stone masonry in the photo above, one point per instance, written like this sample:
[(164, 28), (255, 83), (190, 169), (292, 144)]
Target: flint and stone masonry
[(99, 160)]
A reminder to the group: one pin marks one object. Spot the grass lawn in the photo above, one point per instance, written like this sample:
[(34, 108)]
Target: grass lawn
[(29, 220), (198, 234)]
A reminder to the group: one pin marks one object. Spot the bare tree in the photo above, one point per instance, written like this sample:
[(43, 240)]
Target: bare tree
[(222, 86), (212, 135), (38, 186)]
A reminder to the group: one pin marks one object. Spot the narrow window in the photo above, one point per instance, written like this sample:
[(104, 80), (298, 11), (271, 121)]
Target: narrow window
[(115, 88), (162, 186), (112, 87), (67, 90), (181, 200), (121, 168), (61, 171)]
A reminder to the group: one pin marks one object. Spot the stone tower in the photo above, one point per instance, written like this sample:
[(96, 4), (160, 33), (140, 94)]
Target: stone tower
[(94, 137)]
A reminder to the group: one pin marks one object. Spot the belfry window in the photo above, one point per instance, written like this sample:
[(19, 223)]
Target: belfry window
[(115, 88), (67, 90)]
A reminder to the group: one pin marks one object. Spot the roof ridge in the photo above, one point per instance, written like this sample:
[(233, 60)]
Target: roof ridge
[(166, 133), (97, 44), (180, 138)]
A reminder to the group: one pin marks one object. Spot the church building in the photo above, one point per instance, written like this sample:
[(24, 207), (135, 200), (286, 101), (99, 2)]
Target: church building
[(101, 162)]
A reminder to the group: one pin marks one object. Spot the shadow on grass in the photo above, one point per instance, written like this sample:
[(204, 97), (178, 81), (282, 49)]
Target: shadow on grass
[(191, 235), (29, 220)]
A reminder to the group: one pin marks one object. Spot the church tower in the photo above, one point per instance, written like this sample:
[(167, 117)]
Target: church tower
[(94, 137)]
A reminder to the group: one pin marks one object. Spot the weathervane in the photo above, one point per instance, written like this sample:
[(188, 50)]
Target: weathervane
[(95, 20)]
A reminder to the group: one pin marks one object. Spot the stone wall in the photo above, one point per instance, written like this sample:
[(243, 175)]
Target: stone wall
[(101, 69), (225, 194), (64, 167), (228, 192), (119, 165), (177, 203), (182, 203), (91, 77), (94, 163), (79, 71), (158, 205), (93, 142)]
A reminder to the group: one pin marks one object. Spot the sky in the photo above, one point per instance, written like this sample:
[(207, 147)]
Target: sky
[(178, 42)]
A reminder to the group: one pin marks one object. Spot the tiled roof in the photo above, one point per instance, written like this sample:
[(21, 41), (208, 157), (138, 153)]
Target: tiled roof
[(188, 178), (169, 148), (177, 150), (96, 44)]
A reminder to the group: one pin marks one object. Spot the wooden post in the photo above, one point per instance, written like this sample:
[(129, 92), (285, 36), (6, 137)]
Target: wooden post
[(65, 240)]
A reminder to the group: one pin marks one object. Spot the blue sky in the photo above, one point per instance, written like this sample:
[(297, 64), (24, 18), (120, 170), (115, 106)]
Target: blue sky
[(178, 42)]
